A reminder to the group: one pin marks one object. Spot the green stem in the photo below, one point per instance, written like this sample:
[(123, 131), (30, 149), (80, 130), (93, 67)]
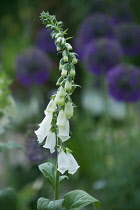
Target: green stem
[(56, 185)]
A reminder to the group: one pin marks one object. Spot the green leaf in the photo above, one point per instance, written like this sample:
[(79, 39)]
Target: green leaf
[(10, 145), (49, 171), (78, 199), (8, 199), (61, 178), (44, 204)]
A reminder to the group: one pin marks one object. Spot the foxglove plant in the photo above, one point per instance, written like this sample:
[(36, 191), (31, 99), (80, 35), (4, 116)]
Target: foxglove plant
[(54, 129)]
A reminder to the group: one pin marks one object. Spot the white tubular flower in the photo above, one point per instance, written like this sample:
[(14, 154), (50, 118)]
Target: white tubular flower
[(50, 142), (68, 85), (61, 119), (72, 163), (62, 162), (62, 92), (44, 128), (63, 132), (51, 106), (68, 109), (64, 72), (72, 72)]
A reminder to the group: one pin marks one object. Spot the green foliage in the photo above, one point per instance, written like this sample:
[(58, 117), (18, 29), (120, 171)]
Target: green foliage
[(49, 171), (8, 199), (4, 90), (46, 204), (10, 145), (78, 199)]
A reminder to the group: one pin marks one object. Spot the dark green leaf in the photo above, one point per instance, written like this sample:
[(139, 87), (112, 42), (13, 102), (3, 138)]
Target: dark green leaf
[(49, 171), (46, 204), (78, 199), (8, 199)]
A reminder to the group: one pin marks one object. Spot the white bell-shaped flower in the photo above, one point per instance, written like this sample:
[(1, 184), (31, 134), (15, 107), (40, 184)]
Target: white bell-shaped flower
[(68, 109), (61, 119), (59, 100), (50, 142), (44, 128), (62, 162), (62, 92), (68, 86), (72, 163), (51, 106), (63, 131)]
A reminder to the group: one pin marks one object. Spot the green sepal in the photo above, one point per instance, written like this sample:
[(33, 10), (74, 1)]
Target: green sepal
[(61, 178), (49, 171), (46, 204), (78, 199)]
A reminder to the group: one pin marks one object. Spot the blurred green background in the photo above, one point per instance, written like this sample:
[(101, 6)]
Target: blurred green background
[(105, 132)]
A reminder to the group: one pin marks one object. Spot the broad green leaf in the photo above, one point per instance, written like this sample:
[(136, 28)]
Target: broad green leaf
[(44, 204), (10, 145), (8, 199), (49, 171), (78, 199), (61, 178)]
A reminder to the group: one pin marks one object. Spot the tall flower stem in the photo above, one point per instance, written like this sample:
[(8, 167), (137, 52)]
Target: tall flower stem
[(56, 185)]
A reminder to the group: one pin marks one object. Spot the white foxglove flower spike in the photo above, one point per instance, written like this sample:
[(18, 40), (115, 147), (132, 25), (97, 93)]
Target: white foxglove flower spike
[(44, 128), (50, 142), (63, 132)]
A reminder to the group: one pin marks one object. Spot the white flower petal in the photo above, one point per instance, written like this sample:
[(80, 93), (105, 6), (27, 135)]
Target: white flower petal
[(44, 128), (72, 163), (63, 132), (50, 142), (51, 107), (61, 119), (62, 162), (69, 109)]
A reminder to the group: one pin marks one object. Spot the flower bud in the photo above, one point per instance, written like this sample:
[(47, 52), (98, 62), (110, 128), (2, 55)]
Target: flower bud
[(68, 109), (62, 92), (57, 35), (74, 60), (72, 72), (61, 64), (68, 86), (64, 72), (65, 56), (68, 46)]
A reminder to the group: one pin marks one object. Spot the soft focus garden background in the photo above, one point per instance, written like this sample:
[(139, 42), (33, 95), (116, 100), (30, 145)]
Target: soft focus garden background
[(106, 123)]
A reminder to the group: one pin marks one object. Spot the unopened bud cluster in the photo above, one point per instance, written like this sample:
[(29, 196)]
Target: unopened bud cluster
[(55, 126)]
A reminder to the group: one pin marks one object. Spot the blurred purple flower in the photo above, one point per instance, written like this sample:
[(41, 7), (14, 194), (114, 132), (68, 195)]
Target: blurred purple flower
[(34, 152), (101, 55), (45, 42), (32, 67), (121, 12), (124, 83), (128, 35), (93, 27)]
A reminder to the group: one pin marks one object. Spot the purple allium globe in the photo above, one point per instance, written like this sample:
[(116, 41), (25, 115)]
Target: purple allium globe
[(94, 27), (121, 12), (124, 83), (32, 67), (101, 55), (45, 42), (128, 35)]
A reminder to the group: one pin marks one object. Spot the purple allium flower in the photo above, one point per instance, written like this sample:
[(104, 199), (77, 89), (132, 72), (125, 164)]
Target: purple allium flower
[(101, 55), (124, 83), (121, 12), (32, 67), (34, 152), (95, 26), (128, 35), (45, 42)]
